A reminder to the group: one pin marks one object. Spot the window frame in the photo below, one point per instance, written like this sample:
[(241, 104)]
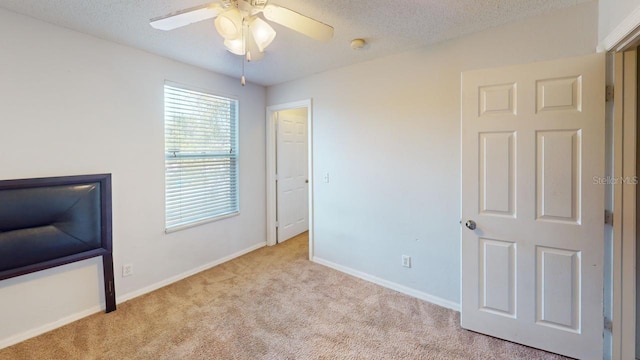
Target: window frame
[(236, 125)]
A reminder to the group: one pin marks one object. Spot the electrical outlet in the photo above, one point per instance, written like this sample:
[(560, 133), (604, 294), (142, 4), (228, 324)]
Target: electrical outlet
[(406, 261), (127, 270)]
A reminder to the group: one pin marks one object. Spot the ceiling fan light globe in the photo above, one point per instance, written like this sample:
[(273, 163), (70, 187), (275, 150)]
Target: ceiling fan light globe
[(263, 33), (229, 24), (235, 46)]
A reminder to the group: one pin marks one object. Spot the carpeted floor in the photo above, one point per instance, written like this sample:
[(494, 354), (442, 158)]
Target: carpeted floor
[(271, 304)]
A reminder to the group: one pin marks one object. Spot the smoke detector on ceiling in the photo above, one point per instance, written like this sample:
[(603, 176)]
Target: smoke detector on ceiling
[(358, 44)]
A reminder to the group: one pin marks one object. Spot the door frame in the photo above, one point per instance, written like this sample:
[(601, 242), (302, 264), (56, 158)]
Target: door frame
[(624, 37), (272, 110), (624, 220)]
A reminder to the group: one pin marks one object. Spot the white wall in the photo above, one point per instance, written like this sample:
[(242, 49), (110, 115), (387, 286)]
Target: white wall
[(388, 133), (613, 13), (74, 104)]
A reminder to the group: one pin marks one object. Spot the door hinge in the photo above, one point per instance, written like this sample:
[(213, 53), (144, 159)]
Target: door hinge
[(608, 93), (277, 224), (608, 217), (608, 324), (277, 177)]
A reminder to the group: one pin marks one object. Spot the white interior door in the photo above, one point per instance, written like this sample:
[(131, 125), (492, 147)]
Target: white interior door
[(532, 154), (292, 181)]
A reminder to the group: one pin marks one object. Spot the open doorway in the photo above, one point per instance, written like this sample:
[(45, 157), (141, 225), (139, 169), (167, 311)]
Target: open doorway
[(289, 172)]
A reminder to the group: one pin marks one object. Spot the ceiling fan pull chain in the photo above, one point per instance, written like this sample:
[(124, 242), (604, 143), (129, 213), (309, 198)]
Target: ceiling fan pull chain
[(244, 46)]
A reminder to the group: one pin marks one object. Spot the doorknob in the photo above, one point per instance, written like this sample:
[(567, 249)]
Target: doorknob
[(306, 181), (470, 224)]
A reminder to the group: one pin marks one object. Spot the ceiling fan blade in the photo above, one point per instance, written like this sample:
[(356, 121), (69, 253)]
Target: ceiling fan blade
[(185, 17), (298, 22)]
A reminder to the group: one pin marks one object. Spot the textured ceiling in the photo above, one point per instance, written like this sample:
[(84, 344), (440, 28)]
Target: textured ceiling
[(388, 26)]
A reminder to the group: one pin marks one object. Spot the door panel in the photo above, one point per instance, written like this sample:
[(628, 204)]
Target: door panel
[(497, 276), (292, 184), (532, 143), (558, 288), (558, 175), (497, 173)]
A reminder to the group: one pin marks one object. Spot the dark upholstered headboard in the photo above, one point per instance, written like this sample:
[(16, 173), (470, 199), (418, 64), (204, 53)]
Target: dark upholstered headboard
[(47, 222)]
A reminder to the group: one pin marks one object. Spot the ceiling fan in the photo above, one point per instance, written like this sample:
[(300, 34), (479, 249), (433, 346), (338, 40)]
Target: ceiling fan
[(245, 33)]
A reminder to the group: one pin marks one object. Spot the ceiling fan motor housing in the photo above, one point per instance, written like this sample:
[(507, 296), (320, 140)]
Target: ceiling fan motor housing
[(258, 3)]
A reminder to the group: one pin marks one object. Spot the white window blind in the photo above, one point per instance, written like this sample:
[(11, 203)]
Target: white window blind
[(201, 156)]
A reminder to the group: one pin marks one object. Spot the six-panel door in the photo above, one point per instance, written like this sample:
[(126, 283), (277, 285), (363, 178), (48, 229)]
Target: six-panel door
[(532, 145)]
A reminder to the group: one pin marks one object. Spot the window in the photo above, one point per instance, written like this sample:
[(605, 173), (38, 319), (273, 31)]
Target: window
[(201, 157)]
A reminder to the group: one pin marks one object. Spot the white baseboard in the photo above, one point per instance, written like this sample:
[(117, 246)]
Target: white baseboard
[(390, 285), (48, 327), (12, 340), (186, 274)]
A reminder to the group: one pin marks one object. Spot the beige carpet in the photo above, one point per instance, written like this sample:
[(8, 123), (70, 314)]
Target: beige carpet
[(271, 304)]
